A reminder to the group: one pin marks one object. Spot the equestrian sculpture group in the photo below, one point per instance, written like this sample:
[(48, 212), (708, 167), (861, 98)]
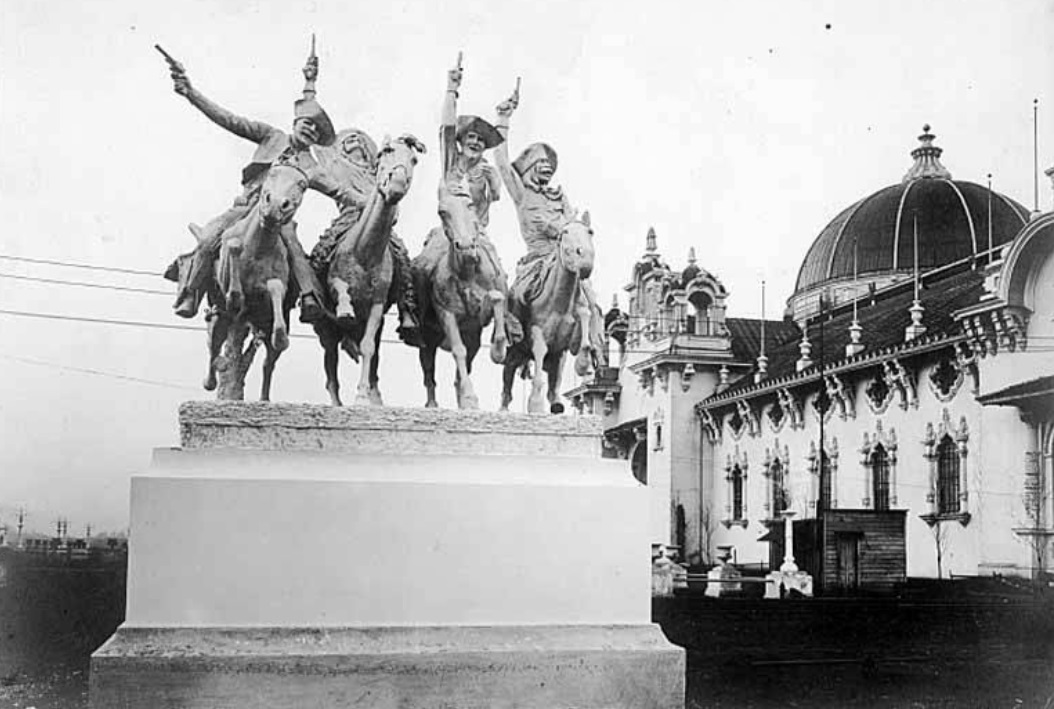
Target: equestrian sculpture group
[(250, 267)]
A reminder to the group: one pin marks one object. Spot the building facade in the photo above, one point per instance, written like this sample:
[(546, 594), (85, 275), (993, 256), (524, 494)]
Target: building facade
[(901, 411)]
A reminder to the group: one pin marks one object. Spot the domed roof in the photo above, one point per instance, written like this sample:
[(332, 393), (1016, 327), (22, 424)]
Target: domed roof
[(952, 219)]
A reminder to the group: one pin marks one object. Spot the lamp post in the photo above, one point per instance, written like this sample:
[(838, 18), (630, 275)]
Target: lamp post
[(788, 566)]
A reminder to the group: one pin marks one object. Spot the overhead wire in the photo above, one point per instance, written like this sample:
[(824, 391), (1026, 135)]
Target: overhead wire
[(96, 372), (85, 266), (82, 284)]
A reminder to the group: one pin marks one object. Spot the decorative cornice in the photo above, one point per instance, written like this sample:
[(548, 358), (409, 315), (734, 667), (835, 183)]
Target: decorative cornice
[(903, 351), (844, 398), (899, 379)]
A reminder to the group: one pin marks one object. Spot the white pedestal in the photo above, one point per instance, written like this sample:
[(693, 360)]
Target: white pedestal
[(432, 553)]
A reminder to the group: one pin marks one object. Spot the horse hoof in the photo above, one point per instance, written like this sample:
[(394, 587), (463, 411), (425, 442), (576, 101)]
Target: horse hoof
[(375, 399), (497, 352), (556, 408), (280, 341), (469, 402), (431, 404), (210, 383)]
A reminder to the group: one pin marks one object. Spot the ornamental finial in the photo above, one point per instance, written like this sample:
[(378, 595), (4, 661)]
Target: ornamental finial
[(927, 159)]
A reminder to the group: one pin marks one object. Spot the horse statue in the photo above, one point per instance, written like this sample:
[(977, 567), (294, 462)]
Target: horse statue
[(462, 288), (558, 320), (359, 275), (251, 294)]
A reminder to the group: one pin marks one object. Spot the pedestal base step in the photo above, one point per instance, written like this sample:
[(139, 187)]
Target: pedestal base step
[(528, 667)]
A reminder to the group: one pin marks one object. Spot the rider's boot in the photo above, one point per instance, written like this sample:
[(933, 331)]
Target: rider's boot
[(310, 309), (187, 303), (409, 331)]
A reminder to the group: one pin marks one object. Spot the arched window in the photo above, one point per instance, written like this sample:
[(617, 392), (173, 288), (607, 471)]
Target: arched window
[(825, 482), (779, 491), (880, 477), (639, 463), (947, 476), (737, 492), (702, 320)]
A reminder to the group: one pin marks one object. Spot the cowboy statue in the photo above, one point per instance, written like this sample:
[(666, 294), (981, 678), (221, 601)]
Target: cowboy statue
[(462, 142), (352, 163), (311, 126), (543, 210)]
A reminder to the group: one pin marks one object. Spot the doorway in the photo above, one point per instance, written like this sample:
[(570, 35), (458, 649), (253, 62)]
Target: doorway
[(848, 560)]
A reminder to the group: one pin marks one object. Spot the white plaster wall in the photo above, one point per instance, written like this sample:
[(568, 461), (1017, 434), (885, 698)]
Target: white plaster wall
[(1000, 472), (684, 438)]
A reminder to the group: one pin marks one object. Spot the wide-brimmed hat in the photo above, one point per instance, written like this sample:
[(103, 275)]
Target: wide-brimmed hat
[(309, 108), (474, 124), (364, 139), (532, 154)]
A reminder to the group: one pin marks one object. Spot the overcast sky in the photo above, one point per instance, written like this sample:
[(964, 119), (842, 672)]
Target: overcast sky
[(738, 128)]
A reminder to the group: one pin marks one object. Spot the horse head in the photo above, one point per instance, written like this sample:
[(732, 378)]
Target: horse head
[(281, 194), (461, 227), (575, 248), (395, 166)]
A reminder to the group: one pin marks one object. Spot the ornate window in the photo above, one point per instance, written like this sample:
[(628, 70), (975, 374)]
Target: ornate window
[(822, 404), (945, 379), (825, 497), (736, 477), (776, 416), (878, 455), (736, 424), (880, 476), (779, 487), (824, 467), (737, 492), (879, 394), (945, 448), (947, 476), (777, 473)]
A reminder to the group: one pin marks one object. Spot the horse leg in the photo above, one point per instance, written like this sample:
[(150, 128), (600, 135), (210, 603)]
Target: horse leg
[(466, 395), (536, 402), (556, 371), (279, 330), (375, 392), (584, 359), (508, 376), (235, 296), (368, 347), (427, 357), (234, 363), (218, 325), (330, 360), (273, 353), (498, 341), (345, 311)]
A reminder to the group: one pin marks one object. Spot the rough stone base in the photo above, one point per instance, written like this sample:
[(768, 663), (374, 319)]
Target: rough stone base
[(528, 667)]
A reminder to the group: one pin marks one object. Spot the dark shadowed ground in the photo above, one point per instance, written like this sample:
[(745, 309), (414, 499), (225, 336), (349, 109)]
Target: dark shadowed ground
[(985, 651), (53, 614)]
